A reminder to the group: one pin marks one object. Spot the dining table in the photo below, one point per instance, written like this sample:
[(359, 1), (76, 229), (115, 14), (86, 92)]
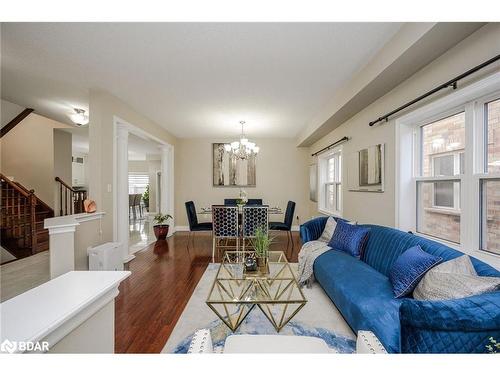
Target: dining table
[(271, 211)]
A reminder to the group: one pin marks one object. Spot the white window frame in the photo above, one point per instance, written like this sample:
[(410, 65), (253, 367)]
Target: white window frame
[(456, 188), (323, 182), (471, 99)]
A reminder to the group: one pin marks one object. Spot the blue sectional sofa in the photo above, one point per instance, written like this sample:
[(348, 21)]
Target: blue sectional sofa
[(361, 290)]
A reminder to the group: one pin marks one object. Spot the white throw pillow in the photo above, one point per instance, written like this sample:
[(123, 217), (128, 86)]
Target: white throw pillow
[(327, 234), (453, 279)]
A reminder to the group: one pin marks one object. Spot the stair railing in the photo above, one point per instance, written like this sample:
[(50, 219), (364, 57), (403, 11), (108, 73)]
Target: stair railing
[(16, 205), (70, 200)]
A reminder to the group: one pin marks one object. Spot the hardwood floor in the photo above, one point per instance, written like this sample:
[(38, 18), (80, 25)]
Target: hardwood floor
[(164, 275)]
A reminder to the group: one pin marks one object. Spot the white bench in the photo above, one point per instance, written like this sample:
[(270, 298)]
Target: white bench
[(367, 343)]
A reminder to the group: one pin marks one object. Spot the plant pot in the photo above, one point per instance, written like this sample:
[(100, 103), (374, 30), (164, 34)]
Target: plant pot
[(262, 264), (161, 231)]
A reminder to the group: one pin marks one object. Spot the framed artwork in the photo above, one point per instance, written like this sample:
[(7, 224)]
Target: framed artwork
[(366, 169), (231, 171)]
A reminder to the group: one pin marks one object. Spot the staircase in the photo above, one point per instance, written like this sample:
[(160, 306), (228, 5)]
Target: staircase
[(22, 216)]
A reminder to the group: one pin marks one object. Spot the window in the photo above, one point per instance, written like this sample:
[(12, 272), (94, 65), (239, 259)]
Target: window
[(137, 183), (449, 186), (442, 145), (330, 187), (490, 183)]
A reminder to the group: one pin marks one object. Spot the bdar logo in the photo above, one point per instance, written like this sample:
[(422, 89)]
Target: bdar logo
[(8, 346)]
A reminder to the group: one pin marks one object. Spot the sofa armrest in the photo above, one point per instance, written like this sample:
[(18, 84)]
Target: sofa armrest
[(312, 229), (450, 326), (201, 342), (368, 343)]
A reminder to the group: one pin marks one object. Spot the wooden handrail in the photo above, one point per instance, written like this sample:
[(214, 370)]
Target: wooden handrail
[(75, 199), (16, 120), (65, 185), (19, 188)]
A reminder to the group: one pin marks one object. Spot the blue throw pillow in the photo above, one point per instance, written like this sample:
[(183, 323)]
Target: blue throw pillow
[(409, 269), (349, 238)]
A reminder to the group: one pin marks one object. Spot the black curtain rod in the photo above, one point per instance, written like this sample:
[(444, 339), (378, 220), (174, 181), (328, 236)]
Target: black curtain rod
[(330, 146), (450, 83)]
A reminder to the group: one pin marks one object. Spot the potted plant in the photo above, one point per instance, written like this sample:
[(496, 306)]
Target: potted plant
[(261, 243), (145, 198), (161, 227)]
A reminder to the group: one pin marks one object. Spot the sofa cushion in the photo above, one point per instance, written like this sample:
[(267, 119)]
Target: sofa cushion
[(453, 279), (363, 295), (349, 238), (330, 226), (409, 269)]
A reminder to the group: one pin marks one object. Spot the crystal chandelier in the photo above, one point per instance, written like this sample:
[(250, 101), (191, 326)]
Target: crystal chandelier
[(243, 148)]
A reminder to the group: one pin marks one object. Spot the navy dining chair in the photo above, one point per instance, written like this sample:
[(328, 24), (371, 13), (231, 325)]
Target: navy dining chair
[(194, 225), (285, 226)]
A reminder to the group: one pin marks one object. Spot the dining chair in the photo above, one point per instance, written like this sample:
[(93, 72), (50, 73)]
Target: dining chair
[(254, 217), (254, 202), (131, 198), (230, 202), (225, 228), (194, 225), (285, 226)]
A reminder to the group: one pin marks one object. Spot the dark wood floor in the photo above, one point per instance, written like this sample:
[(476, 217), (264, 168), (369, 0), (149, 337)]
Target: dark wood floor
[(163, 278)]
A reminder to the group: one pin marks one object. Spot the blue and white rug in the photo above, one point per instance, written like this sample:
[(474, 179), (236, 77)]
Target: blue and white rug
[(318, 318)]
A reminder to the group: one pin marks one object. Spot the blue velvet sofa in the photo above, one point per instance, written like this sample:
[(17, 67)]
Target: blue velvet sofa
[(361, 290)]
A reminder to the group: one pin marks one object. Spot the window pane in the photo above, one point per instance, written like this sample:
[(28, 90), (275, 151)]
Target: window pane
[(490, 231), (330, 170), (330, 197), (442, 136), (493, 120), (444, 165), (437, 222), (443, 194)]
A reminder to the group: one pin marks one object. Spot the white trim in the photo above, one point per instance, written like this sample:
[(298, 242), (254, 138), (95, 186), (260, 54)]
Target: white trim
[(130, 128)]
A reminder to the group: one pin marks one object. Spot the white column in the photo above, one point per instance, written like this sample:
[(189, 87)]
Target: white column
[(167, 183), (122, 224)]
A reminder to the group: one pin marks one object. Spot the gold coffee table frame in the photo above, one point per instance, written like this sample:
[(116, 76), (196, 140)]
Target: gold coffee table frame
[(235, 292)]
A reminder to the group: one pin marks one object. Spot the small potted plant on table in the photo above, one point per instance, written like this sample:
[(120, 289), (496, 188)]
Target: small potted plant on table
[(161, 227), (262, 243)]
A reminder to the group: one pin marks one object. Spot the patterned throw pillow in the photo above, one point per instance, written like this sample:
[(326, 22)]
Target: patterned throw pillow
[(409, 268), (349, 238), (330, 226), (453, 279)]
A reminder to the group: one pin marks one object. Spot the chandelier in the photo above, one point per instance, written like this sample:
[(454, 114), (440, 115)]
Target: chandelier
[(243, 148)]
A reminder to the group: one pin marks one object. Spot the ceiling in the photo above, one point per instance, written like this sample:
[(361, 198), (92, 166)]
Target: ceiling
[(194, 79)]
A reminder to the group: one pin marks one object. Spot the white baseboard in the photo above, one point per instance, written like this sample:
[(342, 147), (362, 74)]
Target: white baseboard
[(295, 228)]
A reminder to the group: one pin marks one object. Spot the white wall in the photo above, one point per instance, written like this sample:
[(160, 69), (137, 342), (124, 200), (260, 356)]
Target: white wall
[(8, 111), (281, 173), (379, 208)]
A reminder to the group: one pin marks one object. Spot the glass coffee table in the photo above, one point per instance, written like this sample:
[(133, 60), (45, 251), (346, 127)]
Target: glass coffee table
[(236, 292)]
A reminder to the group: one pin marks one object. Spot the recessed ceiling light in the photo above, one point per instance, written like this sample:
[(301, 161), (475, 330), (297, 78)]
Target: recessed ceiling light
[(79, 117)]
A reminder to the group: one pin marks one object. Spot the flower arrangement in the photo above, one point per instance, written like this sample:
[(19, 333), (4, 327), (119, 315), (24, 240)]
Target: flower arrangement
[(243, 199)]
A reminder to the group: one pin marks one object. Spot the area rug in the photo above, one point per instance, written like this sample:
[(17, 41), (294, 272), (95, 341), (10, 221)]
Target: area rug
[(319, 318)]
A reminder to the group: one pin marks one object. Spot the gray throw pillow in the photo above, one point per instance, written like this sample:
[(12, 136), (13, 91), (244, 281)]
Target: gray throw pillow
[(453, 279), (327, 234)]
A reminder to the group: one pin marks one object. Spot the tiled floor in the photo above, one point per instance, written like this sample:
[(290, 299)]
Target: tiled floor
[(140, 233)]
